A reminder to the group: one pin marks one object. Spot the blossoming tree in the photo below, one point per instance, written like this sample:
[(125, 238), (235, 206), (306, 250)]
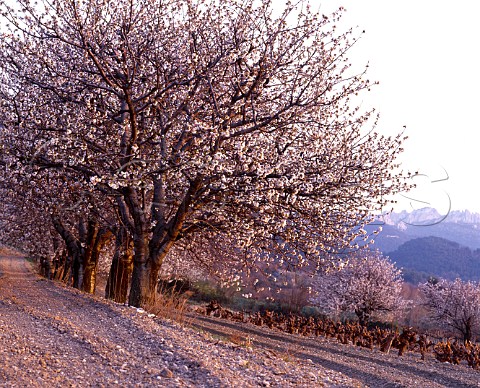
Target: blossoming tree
[(454, 305), (365, 284), (197, 119)]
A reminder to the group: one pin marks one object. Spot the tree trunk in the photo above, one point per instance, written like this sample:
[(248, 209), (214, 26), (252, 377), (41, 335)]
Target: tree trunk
[(119, 277), (152, 246), (45, 265), (59, 264), (121, 268), (87, 283), (145, 273), (144, 283), (79, 254), (68, 268), (51, 269), (73, 264), (96, 240), (77, 271), (467, 334), (57, 259)]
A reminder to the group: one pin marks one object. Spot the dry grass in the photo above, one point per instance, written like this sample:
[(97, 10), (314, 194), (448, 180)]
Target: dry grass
[(239, 340), (170, 305)]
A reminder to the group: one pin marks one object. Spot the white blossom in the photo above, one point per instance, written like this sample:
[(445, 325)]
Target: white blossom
[(453, 304), (366, 284)]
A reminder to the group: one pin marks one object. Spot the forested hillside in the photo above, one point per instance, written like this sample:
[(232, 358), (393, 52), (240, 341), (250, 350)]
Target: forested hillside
[(437, 256), (462, 227)]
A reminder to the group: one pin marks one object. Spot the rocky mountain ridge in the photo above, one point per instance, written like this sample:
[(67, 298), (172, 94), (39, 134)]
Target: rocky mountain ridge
[(429, 216), (426, 243), (462, 227)]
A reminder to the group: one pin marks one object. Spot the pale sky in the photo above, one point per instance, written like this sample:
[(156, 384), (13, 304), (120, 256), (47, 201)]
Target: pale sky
[(426, 56)]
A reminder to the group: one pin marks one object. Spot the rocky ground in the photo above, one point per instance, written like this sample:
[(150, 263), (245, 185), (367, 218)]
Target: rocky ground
[(56, 336), (370, 368)]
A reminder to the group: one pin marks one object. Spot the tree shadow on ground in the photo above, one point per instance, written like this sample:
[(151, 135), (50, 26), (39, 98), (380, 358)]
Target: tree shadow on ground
[(310, 348)]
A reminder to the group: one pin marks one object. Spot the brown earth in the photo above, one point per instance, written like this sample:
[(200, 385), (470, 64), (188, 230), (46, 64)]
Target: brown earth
[(370, 367), (56, 336)]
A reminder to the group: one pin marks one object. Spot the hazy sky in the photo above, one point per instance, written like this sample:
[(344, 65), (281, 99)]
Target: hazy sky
[(426, 56)]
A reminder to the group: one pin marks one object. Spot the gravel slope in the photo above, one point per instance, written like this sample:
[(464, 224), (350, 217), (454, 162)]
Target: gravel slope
[(57, 336), (371, 367), (51, 335)]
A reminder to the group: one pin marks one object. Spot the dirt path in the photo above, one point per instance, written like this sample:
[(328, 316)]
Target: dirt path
[(53, 336), (58, 337), (372, 368)]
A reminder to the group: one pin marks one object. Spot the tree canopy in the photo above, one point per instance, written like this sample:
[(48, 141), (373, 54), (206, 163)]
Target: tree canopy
[(365, 284), (454, 305), (181, 122)]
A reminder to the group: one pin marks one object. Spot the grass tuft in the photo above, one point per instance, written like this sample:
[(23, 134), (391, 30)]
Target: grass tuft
[(170, 304)]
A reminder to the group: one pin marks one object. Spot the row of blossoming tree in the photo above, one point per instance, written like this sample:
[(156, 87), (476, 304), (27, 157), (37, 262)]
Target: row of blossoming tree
[(213, 134), (369, 286)]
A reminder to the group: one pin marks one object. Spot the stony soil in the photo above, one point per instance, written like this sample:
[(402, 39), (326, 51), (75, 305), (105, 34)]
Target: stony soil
[(55, 336), (371, 368)]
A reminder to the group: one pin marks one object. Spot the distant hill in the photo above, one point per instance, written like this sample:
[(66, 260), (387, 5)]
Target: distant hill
[(438, 257), (426, 243), (389, 239), (462, 227)]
